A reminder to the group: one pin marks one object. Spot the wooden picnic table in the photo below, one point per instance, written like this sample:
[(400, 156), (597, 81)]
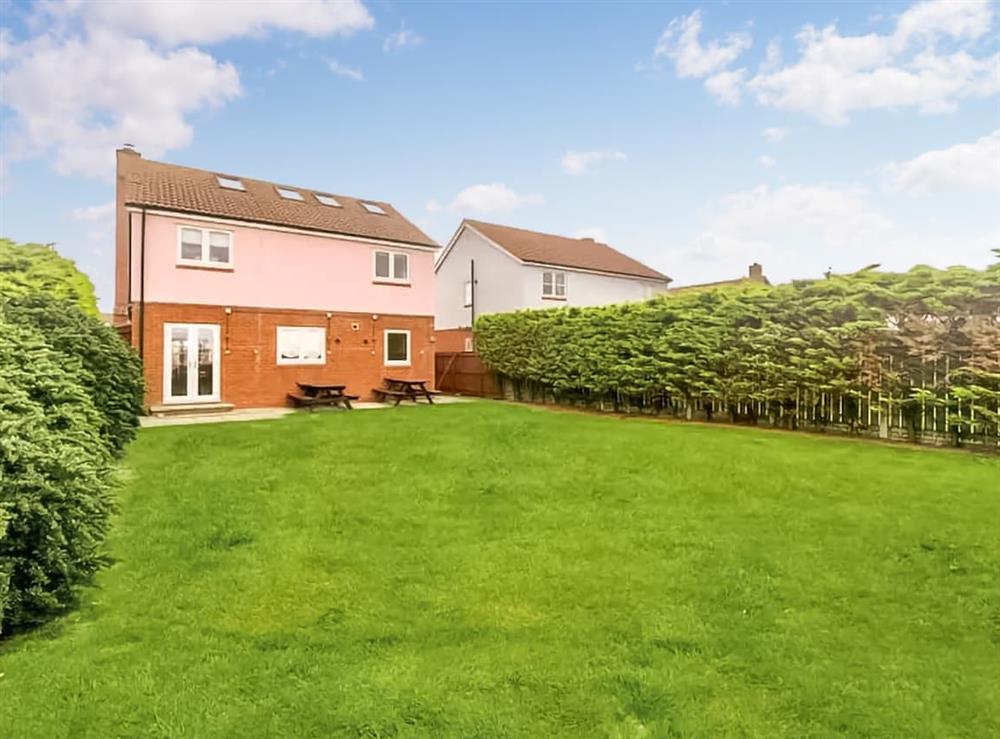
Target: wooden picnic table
[(314, 394), (400, 389)]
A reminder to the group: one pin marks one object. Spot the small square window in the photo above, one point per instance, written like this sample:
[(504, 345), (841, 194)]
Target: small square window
[(373, 208), (392, 266), (328, 200), (288, 194), (553, 284), (204, 248), (397, 348), (230, 183)]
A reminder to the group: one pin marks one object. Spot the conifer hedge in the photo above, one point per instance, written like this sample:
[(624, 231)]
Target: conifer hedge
[(70, 393), (920, 339)]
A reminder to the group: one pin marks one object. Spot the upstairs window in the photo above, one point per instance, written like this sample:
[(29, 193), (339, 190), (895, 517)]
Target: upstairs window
[(391, 266), (204, 247), (328, 200), (554, 285), (373, 208), (289, 194), (230, 183), (301, 345)]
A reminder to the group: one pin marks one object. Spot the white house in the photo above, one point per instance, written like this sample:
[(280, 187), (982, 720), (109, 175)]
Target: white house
[(487, 268)]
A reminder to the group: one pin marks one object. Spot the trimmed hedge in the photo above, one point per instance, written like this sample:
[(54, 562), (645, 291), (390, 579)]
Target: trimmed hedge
[(55, 480), (925, 337), (107, 367)]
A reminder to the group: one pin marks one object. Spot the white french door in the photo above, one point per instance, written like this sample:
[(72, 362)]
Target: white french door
[(190, 362)]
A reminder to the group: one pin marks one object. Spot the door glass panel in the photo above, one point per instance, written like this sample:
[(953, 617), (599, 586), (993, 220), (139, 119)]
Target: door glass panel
[(179, 362), (206, 361)]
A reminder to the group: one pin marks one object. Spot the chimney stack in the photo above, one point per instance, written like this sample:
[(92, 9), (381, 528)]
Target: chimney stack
[(756, 272)]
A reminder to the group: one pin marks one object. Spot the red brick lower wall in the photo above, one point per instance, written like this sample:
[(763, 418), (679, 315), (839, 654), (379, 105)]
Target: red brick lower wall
[(452, 339), (250, 375)]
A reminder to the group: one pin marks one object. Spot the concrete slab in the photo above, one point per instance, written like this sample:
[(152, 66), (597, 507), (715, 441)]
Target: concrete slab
[(264, 414)]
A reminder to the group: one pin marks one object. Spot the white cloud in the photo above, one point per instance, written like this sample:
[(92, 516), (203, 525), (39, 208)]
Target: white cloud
[(83, 97), (176, 22), (974, 166), (593, 232), (93, 213), (401, 39), (433, 206), (775, 135), (794, 231), (104, 73), (726, 86), (578, 162), (492, 197), (930, 61), (767, 162), (342, 70), (680, 43)]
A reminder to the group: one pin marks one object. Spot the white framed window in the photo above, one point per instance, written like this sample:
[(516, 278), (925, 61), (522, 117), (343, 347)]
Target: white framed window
[(554, 285), (301, 345), (289, 194), (230, 183), (469, 344), (328, 200), (373, 208), (204, 247), (392, 266), (397, 347), (467, 294)]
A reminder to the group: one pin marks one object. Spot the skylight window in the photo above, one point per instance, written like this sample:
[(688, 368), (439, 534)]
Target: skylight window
[(289, 194), (373, 208), (328, 200), (230, 183)]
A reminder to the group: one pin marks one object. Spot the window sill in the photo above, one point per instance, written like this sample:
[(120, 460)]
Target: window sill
[(554, 297), (213, 267), (300, 363), (393, 283), (397, 364)]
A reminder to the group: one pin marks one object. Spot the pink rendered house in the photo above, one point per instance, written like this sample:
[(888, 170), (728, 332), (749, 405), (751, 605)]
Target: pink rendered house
[(232, 289)]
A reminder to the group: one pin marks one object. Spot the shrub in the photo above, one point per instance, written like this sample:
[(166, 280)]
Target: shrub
[(35, 268), (107, 367), (55, 480)]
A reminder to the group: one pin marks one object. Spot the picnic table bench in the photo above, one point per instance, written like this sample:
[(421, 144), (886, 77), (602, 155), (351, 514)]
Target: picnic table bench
[(314, 394), (400, 390)]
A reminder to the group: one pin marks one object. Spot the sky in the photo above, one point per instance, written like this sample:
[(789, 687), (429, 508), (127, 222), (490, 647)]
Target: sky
[(697, 137)]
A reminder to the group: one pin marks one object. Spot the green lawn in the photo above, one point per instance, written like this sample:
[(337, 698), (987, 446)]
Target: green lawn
[(484, 570)]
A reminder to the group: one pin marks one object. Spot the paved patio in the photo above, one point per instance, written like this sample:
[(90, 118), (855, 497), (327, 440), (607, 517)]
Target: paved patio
[(265, 414)]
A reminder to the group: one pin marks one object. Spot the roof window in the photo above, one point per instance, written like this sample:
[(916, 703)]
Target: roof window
[(230, 183), (373, 208), (327, 200), (288, 194)]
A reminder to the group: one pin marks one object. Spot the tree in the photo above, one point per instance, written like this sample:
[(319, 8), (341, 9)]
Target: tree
[(35, 268)]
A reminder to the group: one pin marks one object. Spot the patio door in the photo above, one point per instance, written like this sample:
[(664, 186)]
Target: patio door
[(190, 363)]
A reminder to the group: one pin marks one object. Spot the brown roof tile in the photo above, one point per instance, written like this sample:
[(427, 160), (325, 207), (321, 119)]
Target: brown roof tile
[(562, 251), (197, 191)]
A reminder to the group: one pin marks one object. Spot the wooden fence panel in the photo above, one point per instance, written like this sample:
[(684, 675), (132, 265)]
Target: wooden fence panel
[(463, 373)]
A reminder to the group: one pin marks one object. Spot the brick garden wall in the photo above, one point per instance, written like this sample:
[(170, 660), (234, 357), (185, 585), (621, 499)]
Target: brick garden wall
[(250, 374)]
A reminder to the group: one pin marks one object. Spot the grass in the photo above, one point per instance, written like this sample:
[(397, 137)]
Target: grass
[(485, 570)]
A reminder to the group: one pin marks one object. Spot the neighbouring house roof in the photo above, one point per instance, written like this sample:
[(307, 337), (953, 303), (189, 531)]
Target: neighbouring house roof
[(562, 251), (755, 276), (197, 191)]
